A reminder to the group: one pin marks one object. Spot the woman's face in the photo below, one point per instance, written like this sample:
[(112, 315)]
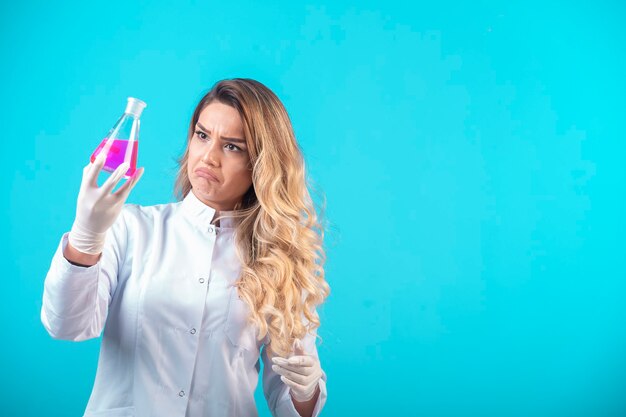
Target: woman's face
[(219, 166)]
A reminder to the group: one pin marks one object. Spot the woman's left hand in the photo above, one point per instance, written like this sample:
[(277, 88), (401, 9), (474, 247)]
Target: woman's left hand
[(301, 372)]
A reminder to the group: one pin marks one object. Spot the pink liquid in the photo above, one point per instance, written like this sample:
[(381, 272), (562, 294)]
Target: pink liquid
[(116, 154)]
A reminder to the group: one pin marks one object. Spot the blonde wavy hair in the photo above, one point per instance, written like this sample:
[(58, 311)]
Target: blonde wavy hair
[(278, 234)]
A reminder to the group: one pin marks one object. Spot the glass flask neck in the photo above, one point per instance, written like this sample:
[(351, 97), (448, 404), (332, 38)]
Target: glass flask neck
[(126, 128)]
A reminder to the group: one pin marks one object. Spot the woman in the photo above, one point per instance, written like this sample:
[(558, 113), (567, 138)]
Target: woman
[(190, 294)]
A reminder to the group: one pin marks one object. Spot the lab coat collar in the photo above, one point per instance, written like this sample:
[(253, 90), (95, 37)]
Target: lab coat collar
[(203, 214)]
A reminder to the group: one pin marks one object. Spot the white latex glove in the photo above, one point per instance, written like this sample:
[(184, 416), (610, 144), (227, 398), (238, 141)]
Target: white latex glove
[(301, 372), (97, 208)]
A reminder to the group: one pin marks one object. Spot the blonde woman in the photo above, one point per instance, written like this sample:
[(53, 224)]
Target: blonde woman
[(190, 295)]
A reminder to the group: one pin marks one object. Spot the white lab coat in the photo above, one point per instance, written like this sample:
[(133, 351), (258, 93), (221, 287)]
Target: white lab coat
[(176, 341)]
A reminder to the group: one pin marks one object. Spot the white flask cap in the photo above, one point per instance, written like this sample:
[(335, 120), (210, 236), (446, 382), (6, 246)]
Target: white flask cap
[(135, 106)]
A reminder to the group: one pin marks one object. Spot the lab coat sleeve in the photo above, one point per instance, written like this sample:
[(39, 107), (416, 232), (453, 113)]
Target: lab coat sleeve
[(277, 392), (76, 299)]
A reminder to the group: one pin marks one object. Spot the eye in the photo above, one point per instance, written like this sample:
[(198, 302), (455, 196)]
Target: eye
[(201, 134), (232, 147)]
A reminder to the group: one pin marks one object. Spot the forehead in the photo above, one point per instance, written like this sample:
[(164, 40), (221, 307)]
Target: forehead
[(222, 119)]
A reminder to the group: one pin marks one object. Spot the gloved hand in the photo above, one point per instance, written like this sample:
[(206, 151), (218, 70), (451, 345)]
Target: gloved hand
[(301, 372), (97, 208)]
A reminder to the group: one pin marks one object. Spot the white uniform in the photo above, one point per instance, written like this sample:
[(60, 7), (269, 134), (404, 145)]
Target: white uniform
[(176, 341)]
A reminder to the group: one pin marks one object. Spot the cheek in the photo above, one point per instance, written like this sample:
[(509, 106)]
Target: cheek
[(192, 157), (241, 176)]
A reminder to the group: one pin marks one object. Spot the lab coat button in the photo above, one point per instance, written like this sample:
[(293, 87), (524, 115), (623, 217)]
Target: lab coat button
[(201, 280), (192, 331), (181, 393), (211, 229)]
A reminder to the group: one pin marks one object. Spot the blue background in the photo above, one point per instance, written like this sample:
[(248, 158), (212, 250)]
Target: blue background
[(472, 156)]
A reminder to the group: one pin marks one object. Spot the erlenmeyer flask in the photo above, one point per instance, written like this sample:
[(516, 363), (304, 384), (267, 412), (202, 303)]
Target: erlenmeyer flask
[(121, 143)]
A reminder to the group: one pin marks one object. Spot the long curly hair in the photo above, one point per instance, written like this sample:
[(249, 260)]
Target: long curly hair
[(278, 233)]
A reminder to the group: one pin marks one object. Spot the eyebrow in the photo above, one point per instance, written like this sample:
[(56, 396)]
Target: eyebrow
[(223, 137)]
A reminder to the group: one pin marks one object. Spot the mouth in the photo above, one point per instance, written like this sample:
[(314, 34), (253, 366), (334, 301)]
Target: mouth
[(205, 173)]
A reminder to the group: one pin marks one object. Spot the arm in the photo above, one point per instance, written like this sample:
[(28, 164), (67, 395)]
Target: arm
[(305, 409), (278, 394), (79, 287), (78, 258), (76, 298)]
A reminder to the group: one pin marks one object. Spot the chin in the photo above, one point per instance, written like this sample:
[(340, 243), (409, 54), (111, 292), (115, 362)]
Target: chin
[(203, 191)]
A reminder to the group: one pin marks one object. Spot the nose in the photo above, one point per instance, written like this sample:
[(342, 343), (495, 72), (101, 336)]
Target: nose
[(211, 154)]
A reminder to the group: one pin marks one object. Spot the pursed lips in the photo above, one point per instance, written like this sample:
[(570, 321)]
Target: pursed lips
[(203, 172)]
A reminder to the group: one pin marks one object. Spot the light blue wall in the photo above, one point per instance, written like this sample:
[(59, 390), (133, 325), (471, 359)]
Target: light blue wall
[(472, 155)]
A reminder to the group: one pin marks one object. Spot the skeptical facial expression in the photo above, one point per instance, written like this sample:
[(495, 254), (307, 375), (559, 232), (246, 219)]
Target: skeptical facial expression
[(219, 165)]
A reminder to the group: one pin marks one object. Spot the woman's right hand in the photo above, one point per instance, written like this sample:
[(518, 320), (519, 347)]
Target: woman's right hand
[(97, 208)]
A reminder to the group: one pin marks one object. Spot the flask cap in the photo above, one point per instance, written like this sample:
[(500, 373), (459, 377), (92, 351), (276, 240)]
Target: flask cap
[(135, 106)]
